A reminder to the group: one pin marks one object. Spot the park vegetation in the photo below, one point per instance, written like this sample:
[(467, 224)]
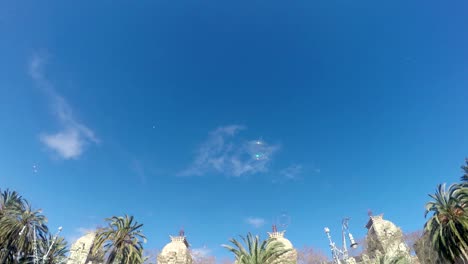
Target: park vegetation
[(24, 234)]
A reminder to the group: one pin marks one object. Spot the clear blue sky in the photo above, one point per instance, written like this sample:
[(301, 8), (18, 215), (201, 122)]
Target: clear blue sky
[(153, 108)]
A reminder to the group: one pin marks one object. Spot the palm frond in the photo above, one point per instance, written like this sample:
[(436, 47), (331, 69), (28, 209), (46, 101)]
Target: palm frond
[(257, 252), (448, 224), (121, 240)]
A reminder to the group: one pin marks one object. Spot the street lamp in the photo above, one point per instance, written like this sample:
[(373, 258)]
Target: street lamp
[(35, 253), (51, 245), (22, 231), (335, 251), (354, 244), (340, 255)]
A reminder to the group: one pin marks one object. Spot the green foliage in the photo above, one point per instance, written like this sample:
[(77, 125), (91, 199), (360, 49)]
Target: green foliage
[(10, 202), (257, 252), (447, 228), (121, 241), (445, 238), (96, 255), (19, 224), (58, 251)]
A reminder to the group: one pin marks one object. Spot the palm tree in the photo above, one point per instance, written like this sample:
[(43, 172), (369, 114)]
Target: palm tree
[(121, 240), (18, 229), (10, 201), (265, 252), (58, 251), (10, 204), (448, 225), (17, 217), (96, 256)]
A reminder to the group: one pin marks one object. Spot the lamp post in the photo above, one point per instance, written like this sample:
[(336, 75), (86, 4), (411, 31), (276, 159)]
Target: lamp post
[(335, 251), (51, 245), (36, 256), (35, 253), (341, 255), (22, 231)]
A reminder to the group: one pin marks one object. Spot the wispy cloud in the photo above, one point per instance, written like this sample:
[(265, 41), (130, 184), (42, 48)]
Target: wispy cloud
[(70, 141), (138, 168), (78, 233), (202, 252), (224, 152), (292, 171), (83, 230), (255, 221)]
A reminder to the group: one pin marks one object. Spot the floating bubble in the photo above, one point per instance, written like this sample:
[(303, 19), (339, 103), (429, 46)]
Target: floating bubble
[(259, 156), (258, 149)]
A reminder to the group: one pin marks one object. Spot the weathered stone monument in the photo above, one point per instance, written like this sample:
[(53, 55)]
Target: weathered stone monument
[(385, 238), (81, 249), (291, 256), (176, 252)]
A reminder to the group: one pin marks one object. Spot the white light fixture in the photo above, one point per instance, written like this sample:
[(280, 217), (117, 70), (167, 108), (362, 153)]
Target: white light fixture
[(354, 244), (340, 255)]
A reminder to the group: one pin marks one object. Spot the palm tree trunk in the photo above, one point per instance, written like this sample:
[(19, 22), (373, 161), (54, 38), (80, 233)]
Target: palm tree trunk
[(4, 257), (111, 258), (6, 253)]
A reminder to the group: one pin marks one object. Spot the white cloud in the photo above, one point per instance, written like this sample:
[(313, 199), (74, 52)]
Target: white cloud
[(203, 252), (78, 233), (138, 168), (67, 144), (70, 141), (83, 231), (224, 152), (36, 67), (291, 172), (255, 221)]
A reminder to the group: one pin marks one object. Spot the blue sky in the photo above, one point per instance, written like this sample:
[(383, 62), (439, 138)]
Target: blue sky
[(159, 108)]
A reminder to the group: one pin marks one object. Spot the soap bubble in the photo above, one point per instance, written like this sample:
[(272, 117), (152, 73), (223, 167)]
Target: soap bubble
[(259, 150)]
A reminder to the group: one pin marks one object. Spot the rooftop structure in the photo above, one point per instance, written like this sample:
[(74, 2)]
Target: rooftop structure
[(176, 252), (81, 249), (291, 256)]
